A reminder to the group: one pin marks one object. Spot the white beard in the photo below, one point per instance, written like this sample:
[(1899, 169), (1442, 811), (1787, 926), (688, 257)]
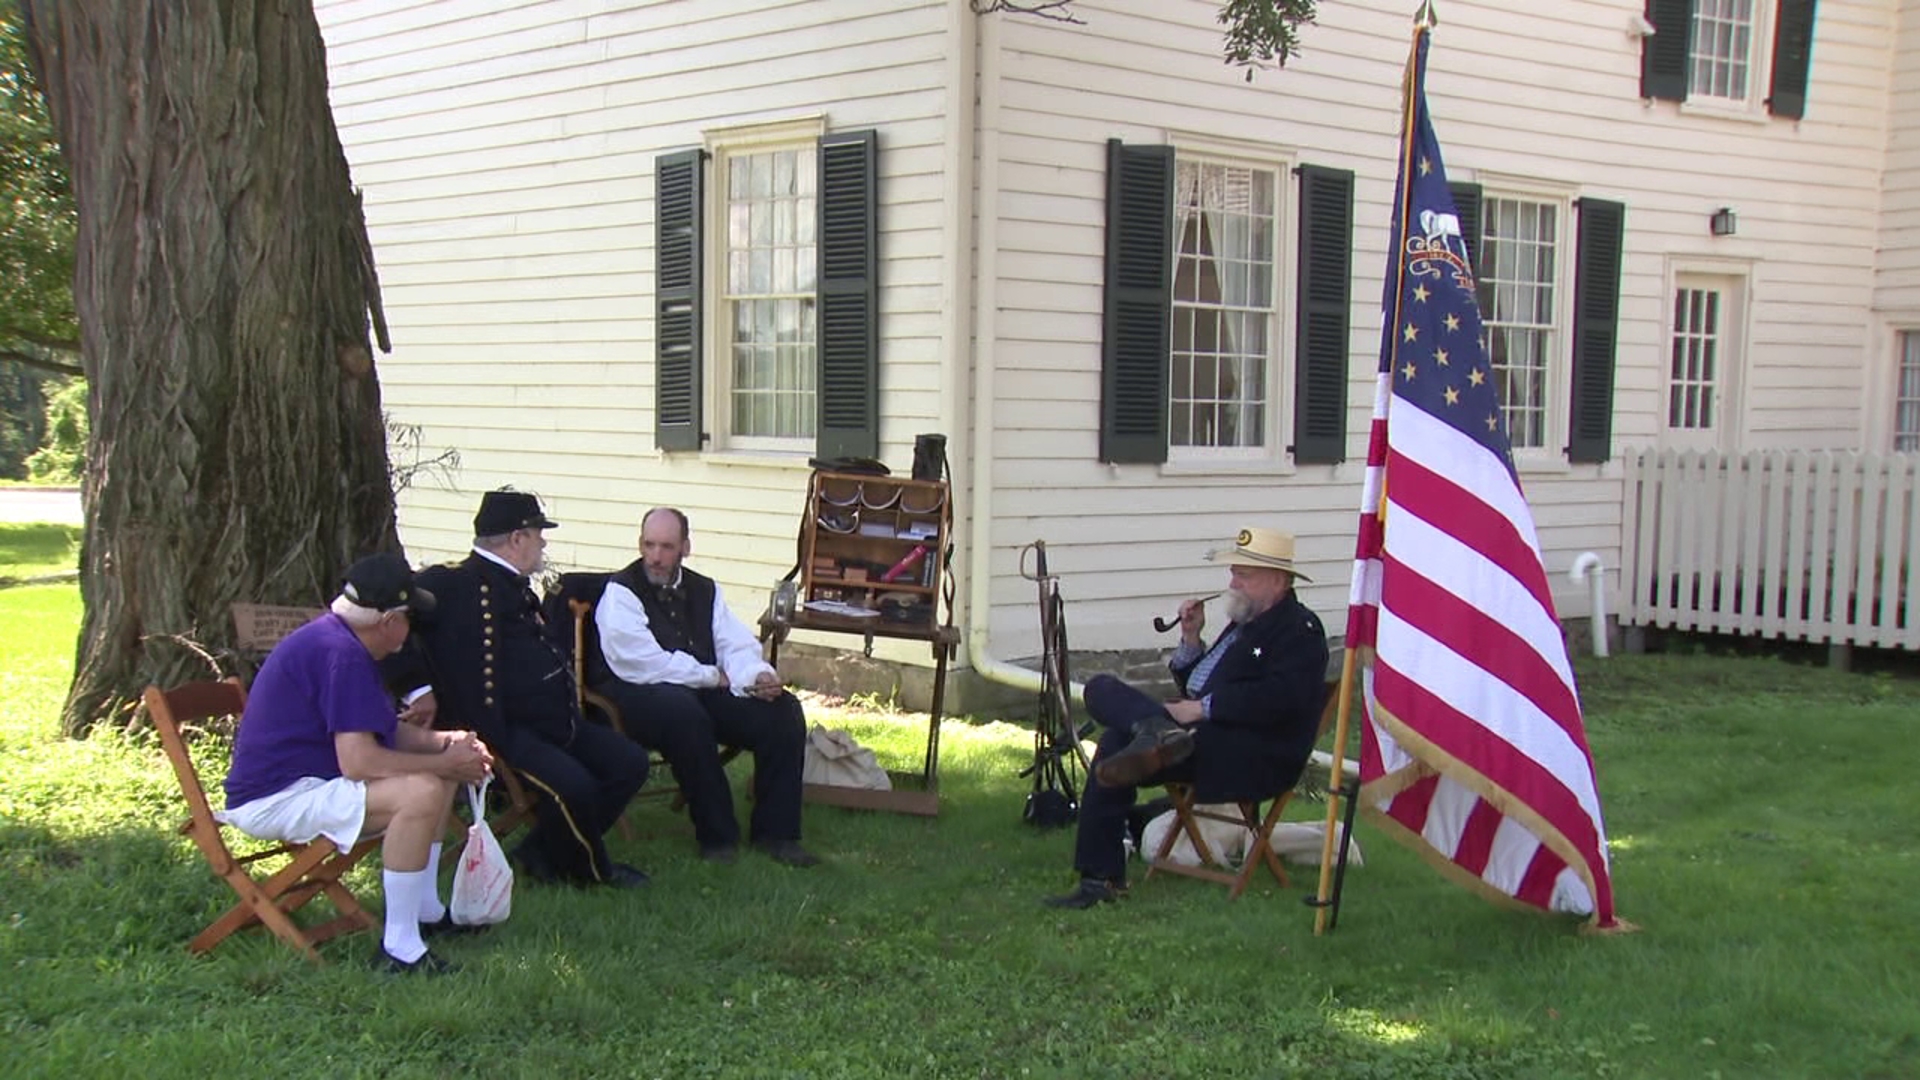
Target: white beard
[(1238, 605)]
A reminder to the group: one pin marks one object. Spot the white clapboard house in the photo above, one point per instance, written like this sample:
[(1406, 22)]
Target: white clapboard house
[(637, 252)]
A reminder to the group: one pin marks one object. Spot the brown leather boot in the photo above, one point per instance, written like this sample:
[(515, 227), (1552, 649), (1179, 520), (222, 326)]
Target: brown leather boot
[(1157, 744)]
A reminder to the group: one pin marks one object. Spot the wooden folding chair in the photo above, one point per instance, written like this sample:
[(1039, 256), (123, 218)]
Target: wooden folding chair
[(313, 870), (1188, 815)]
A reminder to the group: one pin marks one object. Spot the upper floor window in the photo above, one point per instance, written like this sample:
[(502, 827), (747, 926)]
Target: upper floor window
[(1722, 55), (1225, 305)]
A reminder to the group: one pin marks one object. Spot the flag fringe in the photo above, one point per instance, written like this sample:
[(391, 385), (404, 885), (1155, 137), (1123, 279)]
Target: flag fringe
[(1434, 761)]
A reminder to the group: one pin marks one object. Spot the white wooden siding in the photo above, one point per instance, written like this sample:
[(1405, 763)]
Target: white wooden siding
[(1517, 88), (506, 150)]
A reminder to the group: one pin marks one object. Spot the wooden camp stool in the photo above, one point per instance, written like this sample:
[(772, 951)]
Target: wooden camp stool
[(313, 869), (1188, 815)]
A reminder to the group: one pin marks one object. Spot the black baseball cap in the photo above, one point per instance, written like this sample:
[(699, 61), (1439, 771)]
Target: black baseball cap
[(385, 583)]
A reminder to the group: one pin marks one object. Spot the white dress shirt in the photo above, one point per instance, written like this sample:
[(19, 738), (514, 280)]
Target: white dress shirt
[(635, 655)]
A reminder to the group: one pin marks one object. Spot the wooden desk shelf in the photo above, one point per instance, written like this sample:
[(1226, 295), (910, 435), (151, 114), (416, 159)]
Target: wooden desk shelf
[(858, 532)]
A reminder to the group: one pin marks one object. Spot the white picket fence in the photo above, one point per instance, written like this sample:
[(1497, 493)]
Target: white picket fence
[(1814, 545)]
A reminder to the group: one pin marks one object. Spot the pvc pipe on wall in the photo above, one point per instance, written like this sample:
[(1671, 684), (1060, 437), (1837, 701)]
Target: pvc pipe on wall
[(1588, 565)]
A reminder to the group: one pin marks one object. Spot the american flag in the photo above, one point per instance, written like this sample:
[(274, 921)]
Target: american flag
[(1474, 752)]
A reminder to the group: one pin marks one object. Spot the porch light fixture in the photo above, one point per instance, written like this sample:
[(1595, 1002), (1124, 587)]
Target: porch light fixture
[(1723, 222)]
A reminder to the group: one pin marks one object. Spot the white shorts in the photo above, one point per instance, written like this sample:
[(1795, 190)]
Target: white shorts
[(307, 808)]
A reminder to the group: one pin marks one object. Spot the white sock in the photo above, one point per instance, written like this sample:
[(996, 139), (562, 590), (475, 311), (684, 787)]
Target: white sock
[(432, 908), (404, 888)]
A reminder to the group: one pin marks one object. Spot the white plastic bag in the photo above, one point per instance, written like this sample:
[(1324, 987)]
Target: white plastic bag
[(483, 882)]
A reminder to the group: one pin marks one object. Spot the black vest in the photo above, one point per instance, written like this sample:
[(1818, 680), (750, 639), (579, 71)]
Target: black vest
[(681, 618)]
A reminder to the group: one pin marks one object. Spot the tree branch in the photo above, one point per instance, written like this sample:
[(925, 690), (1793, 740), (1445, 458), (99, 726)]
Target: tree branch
[(40, 363), (1057, 10)]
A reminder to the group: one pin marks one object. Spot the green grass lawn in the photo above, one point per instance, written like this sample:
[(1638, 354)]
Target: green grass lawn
[(33, 550), (1764, 840)]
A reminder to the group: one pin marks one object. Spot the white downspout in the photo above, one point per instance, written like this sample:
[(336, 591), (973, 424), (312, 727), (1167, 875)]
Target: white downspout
[(1588, 565), (986, 275)]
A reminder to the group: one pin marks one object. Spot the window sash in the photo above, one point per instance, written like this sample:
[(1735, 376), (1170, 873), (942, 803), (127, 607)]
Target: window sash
[(1722, 53), (1225, 308), (767, 363), (1906, 407), (1520, 298)]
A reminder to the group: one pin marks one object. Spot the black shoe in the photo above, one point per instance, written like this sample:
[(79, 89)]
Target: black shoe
[(724, 854), (532, 863), (789, 853), (446, 927), (428, 964), (1157, 747), (622, 876), (1090, 892)]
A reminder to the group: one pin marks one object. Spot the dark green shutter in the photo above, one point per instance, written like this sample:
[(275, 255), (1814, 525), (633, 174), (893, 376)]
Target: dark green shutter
[(849, 296), (1324, 321), (1596, 328), (1792, 58), (679, 203), (1666, 57), (1466, 206), (1138, 303)]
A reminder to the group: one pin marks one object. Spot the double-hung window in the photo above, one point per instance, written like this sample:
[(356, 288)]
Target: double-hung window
[(766, 306), (1731, 56), (1225, 308), (1520, 295)]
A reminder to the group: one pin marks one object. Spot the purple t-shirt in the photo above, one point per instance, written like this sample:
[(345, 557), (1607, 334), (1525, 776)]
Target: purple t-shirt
[(319, 681)]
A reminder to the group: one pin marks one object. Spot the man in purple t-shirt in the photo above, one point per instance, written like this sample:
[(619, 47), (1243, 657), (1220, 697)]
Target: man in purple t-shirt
[(321, 752)]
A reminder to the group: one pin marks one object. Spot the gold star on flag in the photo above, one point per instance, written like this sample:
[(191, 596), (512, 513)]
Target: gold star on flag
[(1420, 293), (1453, 322), (1493, 423), (1476, 376), (1453, 396), (1425, 166), (1440, 355), (1411, 332), (1408, 370)]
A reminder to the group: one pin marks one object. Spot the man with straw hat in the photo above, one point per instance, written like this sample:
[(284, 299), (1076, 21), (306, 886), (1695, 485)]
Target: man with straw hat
[(1242, 726)]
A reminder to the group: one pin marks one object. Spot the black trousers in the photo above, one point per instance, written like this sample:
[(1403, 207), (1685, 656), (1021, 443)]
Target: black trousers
[(1099, 840), (688, 726), (586, 779)]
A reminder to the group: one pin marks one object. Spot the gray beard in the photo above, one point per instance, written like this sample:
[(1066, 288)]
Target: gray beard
[(1238, 605)]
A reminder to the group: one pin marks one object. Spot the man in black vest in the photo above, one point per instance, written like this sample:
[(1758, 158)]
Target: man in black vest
[(1242, 728), (493, 670), (687, 676)]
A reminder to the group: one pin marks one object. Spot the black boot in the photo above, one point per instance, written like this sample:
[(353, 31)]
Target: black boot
[(1091, 891), (1158, 743)]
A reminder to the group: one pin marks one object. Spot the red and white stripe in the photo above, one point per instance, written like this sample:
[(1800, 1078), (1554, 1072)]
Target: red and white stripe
[(1475, 746)]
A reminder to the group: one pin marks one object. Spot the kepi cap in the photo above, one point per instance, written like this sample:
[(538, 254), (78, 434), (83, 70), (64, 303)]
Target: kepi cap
[(384, 582), (505, 510)]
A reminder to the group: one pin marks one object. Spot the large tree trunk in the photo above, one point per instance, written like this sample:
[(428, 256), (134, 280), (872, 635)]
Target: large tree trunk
[(223, 283)]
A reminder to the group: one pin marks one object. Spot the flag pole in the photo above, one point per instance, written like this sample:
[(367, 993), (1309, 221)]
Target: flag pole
[(1423, 22)]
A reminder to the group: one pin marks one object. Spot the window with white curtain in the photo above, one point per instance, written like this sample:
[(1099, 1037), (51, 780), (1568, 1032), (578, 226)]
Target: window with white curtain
[(1520, 308), (1225, 305), (768, 295)]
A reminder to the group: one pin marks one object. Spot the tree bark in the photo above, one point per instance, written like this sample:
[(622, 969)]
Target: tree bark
[(223, 283)]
